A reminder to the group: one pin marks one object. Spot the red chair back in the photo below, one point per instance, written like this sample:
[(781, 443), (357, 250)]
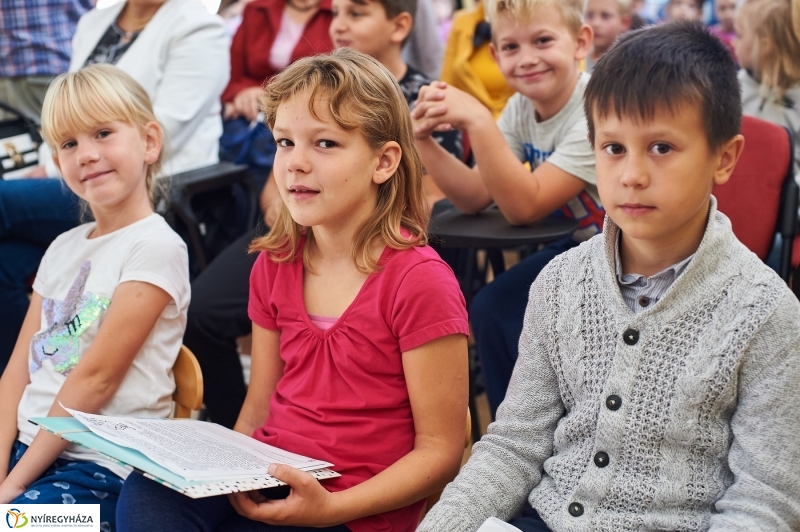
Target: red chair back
[(752, 196)]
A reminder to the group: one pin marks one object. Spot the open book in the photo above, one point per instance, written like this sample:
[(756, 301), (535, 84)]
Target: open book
[(196, 458)]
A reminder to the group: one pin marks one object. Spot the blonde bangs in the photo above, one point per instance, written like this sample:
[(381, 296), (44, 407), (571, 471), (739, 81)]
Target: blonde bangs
[(82, 100), (523, 11), (79, 101)]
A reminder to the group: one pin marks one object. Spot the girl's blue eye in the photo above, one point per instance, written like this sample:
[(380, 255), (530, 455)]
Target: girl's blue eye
[(103, 133), (68, 144), (327, 144)]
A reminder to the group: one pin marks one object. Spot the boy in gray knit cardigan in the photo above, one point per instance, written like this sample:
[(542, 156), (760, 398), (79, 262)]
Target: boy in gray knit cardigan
[(658, 380)]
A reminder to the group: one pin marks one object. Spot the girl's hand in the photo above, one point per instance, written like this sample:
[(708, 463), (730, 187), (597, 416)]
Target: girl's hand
[(9, 491), (308, 504)]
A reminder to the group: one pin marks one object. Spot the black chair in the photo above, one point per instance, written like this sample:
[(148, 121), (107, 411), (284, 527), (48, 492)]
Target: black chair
[(203, 207), (19, 143)]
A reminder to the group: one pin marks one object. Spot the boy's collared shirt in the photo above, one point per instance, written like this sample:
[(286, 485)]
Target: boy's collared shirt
[(640, 292)]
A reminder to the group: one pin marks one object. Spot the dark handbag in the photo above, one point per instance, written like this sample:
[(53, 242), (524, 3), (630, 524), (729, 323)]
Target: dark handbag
[(246, 143)]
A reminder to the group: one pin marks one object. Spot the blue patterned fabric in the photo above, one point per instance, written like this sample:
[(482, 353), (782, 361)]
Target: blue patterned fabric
[(36, 35), (72, 482)]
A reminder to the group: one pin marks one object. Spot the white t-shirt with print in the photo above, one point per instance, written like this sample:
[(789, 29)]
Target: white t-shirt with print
[(76, 279), (561, 141)]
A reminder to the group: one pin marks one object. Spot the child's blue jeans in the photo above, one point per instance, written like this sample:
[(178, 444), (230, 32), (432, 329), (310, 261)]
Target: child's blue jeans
[(529, 521), (147, 505), (497, 313), (72, 482)]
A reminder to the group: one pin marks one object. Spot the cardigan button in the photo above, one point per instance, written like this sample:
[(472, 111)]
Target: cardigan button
[(630, 336), (575, 509), (601, 459), (613, 402), (644, 301)]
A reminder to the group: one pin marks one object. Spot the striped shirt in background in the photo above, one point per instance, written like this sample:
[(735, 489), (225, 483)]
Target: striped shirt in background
[(36, 35), (640, 292)]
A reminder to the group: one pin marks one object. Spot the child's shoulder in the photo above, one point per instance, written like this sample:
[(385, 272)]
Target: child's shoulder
[(401, 260), (522, 109)]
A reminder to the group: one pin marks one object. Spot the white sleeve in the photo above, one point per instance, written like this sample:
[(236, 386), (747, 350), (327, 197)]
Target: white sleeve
[(196, 73), (510, 125), (160, 259)]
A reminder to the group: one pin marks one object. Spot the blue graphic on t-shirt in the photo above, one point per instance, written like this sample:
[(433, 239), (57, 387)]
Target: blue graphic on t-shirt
[(535, 156)]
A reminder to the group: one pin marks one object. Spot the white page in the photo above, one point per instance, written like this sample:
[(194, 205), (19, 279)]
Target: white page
[(195, 450), (493, 524)]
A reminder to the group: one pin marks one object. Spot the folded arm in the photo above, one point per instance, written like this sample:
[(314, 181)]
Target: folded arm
[(522, 196)]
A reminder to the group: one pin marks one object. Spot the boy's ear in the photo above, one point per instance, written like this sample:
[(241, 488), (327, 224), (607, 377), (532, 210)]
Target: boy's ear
[(627, 20), (584, 41), (55, 161), (389, 156), (728, 155), (493, 51), (402, 26)]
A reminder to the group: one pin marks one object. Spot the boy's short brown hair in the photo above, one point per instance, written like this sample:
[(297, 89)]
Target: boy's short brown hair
[(667, 66), (524, 10), (395, 7)]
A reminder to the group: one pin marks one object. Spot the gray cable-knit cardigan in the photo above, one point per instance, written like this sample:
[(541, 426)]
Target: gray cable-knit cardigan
[(704, 430)]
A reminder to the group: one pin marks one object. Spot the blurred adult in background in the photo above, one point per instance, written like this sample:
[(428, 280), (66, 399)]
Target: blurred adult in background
[(179, 53), (35, 38)]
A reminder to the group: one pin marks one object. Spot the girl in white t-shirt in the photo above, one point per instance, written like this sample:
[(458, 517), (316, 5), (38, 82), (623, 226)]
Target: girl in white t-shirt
[(109, 301)]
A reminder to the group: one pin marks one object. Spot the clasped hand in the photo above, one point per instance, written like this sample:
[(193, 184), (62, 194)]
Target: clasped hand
[(308, 503), (440, 107)]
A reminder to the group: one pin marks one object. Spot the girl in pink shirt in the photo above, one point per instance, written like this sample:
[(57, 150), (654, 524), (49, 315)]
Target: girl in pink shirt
[(359, 330)]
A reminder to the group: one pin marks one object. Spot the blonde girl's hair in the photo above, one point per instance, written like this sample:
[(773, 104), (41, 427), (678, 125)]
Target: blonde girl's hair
[(776, 43), (361, 94), (96, 94), (523, 11)]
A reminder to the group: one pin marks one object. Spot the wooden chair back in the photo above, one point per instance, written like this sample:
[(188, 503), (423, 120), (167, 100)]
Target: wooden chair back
[(188, 393)]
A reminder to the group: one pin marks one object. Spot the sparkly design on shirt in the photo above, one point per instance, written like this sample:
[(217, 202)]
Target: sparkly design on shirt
[(66, 321)]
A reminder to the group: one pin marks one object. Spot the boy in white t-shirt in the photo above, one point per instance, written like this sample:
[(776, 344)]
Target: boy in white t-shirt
[(537, 45)]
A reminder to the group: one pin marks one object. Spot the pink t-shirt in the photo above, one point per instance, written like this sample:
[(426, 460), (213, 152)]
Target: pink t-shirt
[(343, 395)]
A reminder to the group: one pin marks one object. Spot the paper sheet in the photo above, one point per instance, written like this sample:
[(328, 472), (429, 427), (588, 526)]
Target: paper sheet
[(195, 450), (493, 524)]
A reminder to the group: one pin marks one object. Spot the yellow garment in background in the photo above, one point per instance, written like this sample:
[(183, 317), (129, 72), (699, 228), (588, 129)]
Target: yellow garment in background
[(473, 70)]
